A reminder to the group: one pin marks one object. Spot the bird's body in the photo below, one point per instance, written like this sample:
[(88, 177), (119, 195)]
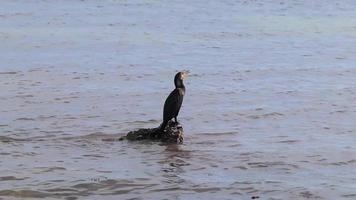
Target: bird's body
[(174, 101)]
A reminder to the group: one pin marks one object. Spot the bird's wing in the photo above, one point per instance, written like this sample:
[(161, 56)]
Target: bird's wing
[(172, 104)]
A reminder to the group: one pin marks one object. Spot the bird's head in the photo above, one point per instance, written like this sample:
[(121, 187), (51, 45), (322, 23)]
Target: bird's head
[(180, 76)]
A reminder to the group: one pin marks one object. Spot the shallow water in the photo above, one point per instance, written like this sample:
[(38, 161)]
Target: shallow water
[(269, 112)]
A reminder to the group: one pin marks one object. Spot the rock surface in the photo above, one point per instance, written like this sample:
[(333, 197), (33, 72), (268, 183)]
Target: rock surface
[(173, 133)]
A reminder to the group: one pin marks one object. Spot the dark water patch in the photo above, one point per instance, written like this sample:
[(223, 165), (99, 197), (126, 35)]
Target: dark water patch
[(38, 69), (270, 164), (90, 116), (145, 122), (353, 196), (207, 189), (288, 141), (100, 136), (240, 167), (25, 96), (71, 198), (10, 139), (236, 193), (218, 133), (107, 187), (308, 195), (43, 117), (57, 181), (267, 115), (40, 170), (23, 193), (51, 133), (36, 83), (62, 190), (12, 178), (338, 111), (30, 154), (288, 92), (343, 163), (25, 119), (10, 72), (119, 191), (196, 75), (234, 145), (206, 142), (7, 139), (94, 155), (92, 136), (112, 139), (49, 193), (166, 189), (111, 186), (248, 190), (70, 117), (104, 171)]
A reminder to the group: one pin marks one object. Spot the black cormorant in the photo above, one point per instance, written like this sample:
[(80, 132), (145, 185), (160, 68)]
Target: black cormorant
[(174, 100)]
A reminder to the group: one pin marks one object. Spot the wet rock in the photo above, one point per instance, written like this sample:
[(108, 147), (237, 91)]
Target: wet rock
[(173, 133)]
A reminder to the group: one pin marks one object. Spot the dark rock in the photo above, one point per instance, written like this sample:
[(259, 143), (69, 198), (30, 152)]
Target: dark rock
[(173, 133)]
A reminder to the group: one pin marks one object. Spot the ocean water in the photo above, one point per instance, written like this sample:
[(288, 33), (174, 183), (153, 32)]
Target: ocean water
[(269, 113)]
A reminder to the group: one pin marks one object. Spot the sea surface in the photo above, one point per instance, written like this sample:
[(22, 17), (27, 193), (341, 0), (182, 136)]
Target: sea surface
[(269, 112)]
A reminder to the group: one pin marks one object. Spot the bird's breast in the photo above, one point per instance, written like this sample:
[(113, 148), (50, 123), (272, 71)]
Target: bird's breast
[(181, 92)]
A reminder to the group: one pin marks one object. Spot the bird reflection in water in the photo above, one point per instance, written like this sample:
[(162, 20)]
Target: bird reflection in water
[(174, 162)]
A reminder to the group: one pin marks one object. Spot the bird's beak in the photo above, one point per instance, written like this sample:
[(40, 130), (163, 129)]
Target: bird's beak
[(185, 74)]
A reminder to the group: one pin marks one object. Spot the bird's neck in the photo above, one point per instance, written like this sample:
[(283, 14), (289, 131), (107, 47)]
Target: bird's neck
[(179, 84)]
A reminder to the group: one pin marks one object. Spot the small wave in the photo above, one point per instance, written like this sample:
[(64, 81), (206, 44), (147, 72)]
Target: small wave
[(24, 96), (10, 72), (93, 155), (349, 195), (270, 164), (202, 190), (144, 122), (49, 169), (267, 115), (25, 119), (23, 193), (288, 141), (95, 136), (219, 133), (11, 178), (9, 139), (102, 187), (343, 162), (116, 186)]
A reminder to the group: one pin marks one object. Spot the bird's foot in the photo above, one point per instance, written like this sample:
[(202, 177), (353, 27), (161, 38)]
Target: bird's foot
[(174, 123)]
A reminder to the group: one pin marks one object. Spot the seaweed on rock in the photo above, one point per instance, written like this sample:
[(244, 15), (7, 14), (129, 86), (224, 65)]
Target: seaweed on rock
[(173, 133)]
